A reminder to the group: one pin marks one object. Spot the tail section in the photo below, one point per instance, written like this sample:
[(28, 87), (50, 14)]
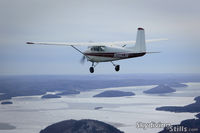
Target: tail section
[(140, 45)]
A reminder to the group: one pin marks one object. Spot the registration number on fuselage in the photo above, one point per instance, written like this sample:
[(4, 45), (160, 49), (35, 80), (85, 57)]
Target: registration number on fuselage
[(120, 55)]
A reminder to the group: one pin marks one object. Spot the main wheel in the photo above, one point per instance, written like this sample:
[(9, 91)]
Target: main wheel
[(117, 68), (91, 69)]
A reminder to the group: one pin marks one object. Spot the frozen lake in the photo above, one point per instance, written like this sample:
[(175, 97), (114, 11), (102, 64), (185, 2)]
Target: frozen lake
[(31, 114)]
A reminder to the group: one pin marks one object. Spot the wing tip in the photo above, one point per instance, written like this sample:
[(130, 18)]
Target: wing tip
[(29, 43)]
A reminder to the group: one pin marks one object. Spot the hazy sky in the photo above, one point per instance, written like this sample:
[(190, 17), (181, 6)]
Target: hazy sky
[(102, 20)]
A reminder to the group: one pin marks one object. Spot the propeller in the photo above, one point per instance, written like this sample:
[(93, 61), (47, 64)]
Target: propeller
[(82, 61)]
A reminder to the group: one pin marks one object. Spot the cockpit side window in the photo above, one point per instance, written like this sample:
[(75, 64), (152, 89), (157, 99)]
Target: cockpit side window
[(97, 48)]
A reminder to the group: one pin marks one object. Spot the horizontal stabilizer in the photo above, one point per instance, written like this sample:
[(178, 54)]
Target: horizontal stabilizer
[(156, 40), (152, 52)]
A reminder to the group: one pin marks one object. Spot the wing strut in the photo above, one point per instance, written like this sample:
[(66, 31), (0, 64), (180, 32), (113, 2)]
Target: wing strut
[(79, 51)]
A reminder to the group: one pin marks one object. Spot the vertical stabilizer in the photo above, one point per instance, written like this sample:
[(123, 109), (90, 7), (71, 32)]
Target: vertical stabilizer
[(140, 45)]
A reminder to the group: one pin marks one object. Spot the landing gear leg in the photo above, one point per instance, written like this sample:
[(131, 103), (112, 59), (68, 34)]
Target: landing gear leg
[(117, 67), (92, 67)]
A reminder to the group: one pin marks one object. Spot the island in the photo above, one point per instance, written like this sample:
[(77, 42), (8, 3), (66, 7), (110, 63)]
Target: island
[(15, 92), (80, 126), (192, 108), (5, 97), (6, 102), (198, 115), (176, 84), (6, 126), (97, 108), (160, 89), (114, 93), (50, 96), (186, 126)]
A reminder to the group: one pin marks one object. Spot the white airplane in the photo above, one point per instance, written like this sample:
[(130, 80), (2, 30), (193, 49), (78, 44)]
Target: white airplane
[(109, 51)]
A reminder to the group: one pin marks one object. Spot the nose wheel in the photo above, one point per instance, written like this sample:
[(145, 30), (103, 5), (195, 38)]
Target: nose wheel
[(92, 67)]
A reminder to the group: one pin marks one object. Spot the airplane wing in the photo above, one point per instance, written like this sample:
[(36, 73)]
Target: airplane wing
[(83, 43), (92, 43)]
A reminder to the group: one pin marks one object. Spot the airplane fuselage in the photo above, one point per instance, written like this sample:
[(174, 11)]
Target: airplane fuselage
[(105, 53)]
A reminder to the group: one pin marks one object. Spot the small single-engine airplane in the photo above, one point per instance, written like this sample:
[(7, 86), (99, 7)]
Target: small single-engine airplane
[(109, 51)]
